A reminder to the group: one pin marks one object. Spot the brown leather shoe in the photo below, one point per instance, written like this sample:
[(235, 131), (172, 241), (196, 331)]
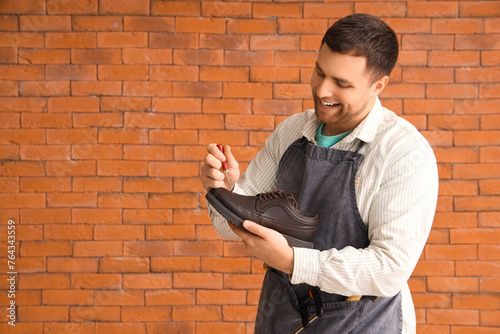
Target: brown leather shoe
[(275, 210)]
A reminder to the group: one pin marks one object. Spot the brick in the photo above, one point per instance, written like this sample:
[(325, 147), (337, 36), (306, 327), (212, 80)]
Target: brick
[(9, 23), (169, 232), (276, 42), (476, 42), (67, 232), (22, 136), (200, 25), (489, 90), (466, 236), (452, 154), (200, 313), (81, 40), (292, 91), (119, 298), (456, 26), (96, 88), (21, 7), (327, 10), (301, 26), (147, 281), (491, 25), (251, 26), (243, 281), (156, 185), (67, 297), (125, 103), (455, 317), (228, 137), (147, 216), (148, 248), (21, 200), (490, 318), (387, 9), (225, 265), (43, 88), (71, 265), (452, 284), (479, 9), (146, 314), (488, 284), (10, 88), (451, 252), (171, 169), (96, 281), (127, 7), (221, 327), (20, 72), (70, 72), (196, 89), (176, 8), (123, 265), (407, 25), (43, 56), (94, 313), (43, 313), (124, 168), (140, 23), (21, 168), (175, 264), (173, 40), (44, 281), (113, 232), (432, 300), (71, 7), (404, 90), (489, 219), (198, 248), (122, 39), (428, 75), (174, 72), (488, 187), (231, 9), (221, 297), (45, 152), (173, 201), (469, 138), (489, 252), (46, 216), (434, 268), (10, 184), (97, 248), (475, 301), (247, 90), (96, 56), (125, 328), (224, 42), (457, 187), (21, 40), (239, 312), (271, 10), (451, 91), (147, 56), (97, 23), (427, 42), (123, 72), (477, 268), (433, 9), (219, 73), (170, 297)]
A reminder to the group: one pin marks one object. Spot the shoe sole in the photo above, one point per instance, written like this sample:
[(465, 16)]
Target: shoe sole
[(238, 222)]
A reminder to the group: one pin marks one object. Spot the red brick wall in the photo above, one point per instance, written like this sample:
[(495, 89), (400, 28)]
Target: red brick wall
[(105, 111)]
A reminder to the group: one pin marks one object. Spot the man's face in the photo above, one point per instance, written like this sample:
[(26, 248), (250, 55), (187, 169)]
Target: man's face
[(343, 91)]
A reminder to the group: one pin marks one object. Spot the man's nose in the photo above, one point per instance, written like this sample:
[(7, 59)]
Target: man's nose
[(325, 88)]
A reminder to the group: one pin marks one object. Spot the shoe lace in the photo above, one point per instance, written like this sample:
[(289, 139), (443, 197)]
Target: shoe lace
[(276, 194)]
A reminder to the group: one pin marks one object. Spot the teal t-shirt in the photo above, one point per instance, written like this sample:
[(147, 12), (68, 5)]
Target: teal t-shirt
[(328, 141)]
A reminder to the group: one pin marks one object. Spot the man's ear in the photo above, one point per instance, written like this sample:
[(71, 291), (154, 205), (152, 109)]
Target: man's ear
[(380, 84)]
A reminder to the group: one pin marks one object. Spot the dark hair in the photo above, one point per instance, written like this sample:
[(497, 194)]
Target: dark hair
[(364, 35)]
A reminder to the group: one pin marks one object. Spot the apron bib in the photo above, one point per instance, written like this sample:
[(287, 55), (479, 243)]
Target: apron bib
[(322, 180)]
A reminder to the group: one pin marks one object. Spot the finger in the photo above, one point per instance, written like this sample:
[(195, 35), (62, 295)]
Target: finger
[(231, 161), (214, 151), (212, 161), (255, 228)]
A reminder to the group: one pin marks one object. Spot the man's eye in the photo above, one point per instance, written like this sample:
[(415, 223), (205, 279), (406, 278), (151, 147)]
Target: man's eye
[(342, 85)]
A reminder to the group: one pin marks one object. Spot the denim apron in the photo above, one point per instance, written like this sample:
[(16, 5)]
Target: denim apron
[(323, 182)]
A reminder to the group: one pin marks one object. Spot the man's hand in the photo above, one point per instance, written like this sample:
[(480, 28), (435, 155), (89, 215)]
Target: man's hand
[(267, 245), (211, 174)]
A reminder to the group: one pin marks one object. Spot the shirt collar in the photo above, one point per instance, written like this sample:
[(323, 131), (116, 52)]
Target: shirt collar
[(365, 131)]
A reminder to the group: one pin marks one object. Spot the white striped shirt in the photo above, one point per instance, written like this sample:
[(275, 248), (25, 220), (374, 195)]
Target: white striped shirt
[(396, 191)]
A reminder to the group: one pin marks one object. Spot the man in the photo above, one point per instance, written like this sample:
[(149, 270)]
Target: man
[(369, 175)]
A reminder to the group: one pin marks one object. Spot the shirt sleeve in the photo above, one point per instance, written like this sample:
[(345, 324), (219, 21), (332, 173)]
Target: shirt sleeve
[(399, 222)]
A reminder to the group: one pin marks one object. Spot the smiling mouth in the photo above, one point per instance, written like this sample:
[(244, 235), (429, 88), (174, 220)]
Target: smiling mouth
[(329, 105)]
